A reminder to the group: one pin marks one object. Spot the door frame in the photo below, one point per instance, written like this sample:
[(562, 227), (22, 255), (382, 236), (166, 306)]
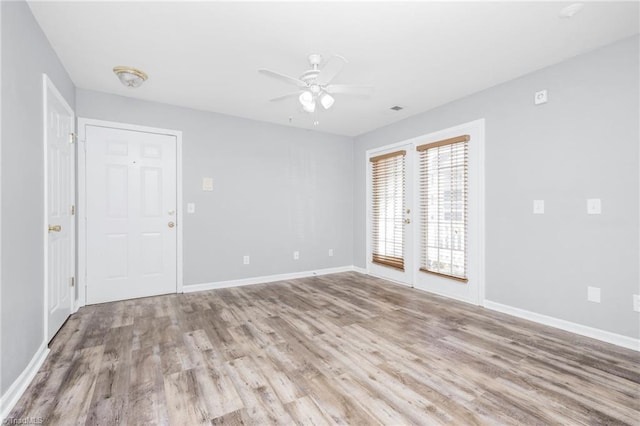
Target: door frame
[(82, 196), (49, 87), (478, 179)]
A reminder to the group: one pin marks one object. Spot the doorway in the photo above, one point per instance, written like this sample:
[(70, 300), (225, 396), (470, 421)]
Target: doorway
[(390, 197), (425, 212), (130, 199)]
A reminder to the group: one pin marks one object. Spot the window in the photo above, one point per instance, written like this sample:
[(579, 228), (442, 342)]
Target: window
[(443, 205), (388, 199)]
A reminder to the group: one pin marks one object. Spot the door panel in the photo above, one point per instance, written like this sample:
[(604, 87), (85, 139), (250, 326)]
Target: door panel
[(472, 290), (131, 199), (60, 195), (390, 216)]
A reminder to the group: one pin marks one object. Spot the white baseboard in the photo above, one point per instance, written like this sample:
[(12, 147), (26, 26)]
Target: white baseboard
[(17, 388), (264, 279), (583, 330)]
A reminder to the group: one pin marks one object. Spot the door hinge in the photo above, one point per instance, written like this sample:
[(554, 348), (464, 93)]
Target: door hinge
[(73, 138), (73, 209), (73, 281)]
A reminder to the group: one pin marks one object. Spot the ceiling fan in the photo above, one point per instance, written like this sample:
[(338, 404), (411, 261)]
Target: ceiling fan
[(315, 85)]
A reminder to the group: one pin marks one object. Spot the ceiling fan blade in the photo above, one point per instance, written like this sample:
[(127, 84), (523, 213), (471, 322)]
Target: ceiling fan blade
[(349, 89), (330, 69), (283, 97), (283, 77)]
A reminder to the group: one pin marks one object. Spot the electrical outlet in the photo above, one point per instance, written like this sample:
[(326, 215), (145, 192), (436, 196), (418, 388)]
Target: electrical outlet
[(593, 294), (538, 206), (296, 255), (330, 252), (636, 302), (191, 207), (245, 260), (594, 206)]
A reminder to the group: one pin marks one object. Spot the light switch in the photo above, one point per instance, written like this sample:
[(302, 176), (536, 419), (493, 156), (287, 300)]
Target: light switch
[(594, 206), (191, 207), (538, 206), (207, 184)]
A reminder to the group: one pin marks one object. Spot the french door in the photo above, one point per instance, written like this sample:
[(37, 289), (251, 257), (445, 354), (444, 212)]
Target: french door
[(390, 218), (425, 208)]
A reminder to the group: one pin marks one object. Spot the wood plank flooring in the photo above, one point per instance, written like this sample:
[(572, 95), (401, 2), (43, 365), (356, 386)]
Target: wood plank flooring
[(336, 349)]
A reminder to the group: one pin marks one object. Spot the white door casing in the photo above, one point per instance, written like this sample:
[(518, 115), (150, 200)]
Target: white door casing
[(59, 227), (132, 223), (473, 290)]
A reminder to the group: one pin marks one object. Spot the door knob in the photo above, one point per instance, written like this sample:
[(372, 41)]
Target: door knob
[(55, 228), (407, 221), (171, 224)]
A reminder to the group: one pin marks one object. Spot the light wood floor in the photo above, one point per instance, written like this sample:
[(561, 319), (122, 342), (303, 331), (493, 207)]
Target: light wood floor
[(344, 348)]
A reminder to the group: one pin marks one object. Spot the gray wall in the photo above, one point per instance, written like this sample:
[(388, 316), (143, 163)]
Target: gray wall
[(582, 144), (280, 189), (26, 54), (276, 189)]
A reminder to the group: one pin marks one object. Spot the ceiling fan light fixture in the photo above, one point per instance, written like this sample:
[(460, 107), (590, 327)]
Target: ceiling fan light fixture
[(310, 107), (327, 100), (314, 85), (130, 77), (306, 98)]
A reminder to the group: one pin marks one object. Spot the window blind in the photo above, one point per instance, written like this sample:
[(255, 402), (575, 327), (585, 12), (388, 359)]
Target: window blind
[(444, 206), (388, 202)]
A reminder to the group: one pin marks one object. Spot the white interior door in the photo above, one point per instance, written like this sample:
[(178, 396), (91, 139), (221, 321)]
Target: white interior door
[(390, 227), (131, 214), (60, 209)]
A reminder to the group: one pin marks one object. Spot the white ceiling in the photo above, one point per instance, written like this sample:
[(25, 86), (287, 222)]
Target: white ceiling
[(419, 55)]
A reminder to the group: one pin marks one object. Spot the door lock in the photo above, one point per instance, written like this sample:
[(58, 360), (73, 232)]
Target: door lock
[(171, 224), (55, 228)]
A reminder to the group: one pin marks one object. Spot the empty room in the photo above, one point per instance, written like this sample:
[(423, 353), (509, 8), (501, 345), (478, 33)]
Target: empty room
[(318, 213)]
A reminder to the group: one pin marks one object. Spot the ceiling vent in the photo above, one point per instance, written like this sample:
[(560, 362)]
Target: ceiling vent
[(396, 108)]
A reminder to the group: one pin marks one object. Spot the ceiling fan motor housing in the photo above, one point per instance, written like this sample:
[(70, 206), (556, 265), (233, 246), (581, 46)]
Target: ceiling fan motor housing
[(314, 60), (310, 76)]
